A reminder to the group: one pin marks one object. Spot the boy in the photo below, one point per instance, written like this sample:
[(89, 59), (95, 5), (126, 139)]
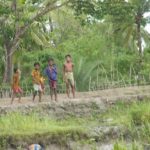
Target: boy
[(51, 72), (36, 77), (15, 85), (68, 75), (35, 147)]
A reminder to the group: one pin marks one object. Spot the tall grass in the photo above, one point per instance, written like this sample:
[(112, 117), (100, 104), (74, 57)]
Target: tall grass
[(16, 123)]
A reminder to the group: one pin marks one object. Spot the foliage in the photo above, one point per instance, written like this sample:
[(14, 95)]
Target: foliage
[(122, 114), (101, 36)]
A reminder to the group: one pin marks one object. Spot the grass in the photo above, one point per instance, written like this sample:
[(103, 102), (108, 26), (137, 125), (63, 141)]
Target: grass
[(15, 128), (17, 123), (135, 117)]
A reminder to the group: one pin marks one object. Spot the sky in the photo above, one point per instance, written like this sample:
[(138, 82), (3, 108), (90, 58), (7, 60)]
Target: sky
[(148, 25)]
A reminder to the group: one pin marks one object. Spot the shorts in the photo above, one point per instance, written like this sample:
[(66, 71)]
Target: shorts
[(17, 90), (37, 88), (69, 77), (53, 84)]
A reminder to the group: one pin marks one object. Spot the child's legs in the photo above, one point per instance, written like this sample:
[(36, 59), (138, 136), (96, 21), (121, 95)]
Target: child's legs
[(51, 93), (67, 88), (51, 89), (34, 95), (19, 96), (40, 96), (13, 97), (40, 92), (55, 89), (35, 87), (72, 84), (73, 90), (53, 85), (55, 93)]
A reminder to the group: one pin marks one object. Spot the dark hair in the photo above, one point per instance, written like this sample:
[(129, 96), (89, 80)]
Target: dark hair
[(68, 56), (50, 59), (15, 70), (36, 63)]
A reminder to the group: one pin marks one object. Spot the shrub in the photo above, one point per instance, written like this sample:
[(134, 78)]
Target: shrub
[(140, 117)]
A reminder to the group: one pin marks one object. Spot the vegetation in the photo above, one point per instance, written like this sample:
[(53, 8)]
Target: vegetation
[(135, 117), (104, 38), (134, 120), (109, 45)]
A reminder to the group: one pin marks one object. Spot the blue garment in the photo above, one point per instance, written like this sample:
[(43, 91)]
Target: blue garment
[(37, 147), (51, 74)]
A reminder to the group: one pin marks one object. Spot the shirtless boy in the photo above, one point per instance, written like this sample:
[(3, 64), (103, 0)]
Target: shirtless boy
[(68, 75)]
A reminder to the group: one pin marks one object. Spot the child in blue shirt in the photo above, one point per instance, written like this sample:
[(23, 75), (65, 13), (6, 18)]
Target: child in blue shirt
[(51, 72)]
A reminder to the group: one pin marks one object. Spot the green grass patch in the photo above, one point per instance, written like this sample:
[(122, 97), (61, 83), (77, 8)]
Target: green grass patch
[(135, 117), (16, 128), (16, 123)]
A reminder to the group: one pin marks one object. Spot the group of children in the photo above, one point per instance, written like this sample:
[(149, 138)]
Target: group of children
[(51, 74)]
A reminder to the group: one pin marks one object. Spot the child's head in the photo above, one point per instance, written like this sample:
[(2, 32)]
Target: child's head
[(37, 65), (68, 58), (51, 61), (15, 70)]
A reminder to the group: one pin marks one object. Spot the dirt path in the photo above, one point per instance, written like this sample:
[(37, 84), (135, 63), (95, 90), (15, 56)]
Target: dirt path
[(109, 95)]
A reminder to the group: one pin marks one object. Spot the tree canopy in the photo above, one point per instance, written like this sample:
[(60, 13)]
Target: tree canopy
[(107, 39)]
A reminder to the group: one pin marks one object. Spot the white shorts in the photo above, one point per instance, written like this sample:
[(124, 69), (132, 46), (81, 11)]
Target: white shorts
[(37, 88)]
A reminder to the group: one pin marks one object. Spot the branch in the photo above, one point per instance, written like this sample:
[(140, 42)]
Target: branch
[(49, 7)]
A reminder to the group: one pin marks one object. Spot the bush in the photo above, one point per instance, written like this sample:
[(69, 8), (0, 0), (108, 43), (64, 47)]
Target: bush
[(140, 117)]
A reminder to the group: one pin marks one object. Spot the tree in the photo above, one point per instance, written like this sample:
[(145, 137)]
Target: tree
[(125, 16), (16, 17)]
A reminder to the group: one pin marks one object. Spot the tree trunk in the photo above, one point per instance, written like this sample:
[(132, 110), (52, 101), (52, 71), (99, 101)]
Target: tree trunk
[(139, 40), (8, 66), (139, 44)]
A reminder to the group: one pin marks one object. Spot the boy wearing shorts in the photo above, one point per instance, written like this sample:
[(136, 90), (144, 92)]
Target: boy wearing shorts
[(68, 75), (51, 72), (36, 78)]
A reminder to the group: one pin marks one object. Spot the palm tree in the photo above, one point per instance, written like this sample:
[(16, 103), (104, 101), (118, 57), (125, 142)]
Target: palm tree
[(131, 27), (136, 30)]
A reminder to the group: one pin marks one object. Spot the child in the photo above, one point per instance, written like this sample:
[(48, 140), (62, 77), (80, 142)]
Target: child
[(51, 72), (36, 77), (36, 147), (15, 85), (68, 75)]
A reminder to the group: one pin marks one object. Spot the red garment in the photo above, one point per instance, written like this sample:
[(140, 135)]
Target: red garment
[(53, 84), (15, 86), (17, 90)]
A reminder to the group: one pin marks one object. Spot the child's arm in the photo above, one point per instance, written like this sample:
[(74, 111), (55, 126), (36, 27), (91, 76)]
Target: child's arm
[(72, 67), (46, 72), (13, 81), (55, 69), (64, 68)]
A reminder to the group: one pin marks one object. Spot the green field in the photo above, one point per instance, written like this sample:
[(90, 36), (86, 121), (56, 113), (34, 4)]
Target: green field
[(134, 119)]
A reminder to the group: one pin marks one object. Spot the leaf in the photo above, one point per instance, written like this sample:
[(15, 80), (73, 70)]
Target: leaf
[(37, 39)]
